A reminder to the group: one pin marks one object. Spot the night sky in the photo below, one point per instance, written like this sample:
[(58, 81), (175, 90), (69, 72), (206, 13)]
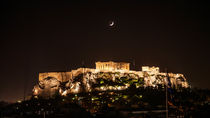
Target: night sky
[(60, 36)]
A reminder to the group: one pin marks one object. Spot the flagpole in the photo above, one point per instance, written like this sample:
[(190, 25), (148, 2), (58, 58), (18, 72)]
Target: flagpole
[(166, 93)]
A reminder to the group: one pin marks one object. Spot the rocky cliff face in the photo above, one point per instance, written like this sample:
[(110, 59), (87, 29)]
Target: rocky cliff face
[(87, 81)]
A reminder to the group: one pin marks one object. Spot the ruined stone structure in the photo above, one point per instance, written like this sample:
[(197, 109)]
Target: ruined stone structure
[(86, 77), (100, 66), (111, 66), (151, 70)]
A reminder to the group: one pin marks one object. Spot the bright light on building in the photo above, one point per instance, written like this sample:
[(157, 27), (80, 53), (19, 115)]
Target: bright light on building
[(109, 72)]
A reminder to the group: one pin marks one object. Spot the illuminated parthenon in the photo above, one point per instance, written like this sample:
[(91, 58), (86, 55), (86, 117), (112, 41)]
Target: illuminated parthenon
[(111, 66)]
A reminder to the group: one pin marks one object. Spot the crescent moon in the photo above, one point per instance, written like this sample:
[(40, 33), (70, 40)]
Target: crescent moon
[(112, 23)]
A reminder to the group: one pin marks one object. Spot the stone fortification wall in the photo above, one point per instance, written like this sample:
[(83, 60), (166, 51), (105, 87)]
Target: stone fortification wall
[(60, 76), (64, 76)]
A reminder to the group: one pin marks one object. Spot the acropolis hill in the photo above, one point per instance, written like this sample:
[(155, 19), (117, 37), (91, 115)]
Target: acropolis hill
[(106, 76)]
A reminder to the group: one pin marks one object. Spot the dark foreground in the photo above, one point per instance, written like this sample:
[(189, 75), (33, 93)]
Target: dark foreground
[(141, 103)]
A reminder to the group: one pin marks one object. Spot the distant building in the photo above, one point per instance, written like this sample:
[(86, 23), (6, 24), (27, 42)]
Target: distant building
[(151, 70), (111, 66)]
